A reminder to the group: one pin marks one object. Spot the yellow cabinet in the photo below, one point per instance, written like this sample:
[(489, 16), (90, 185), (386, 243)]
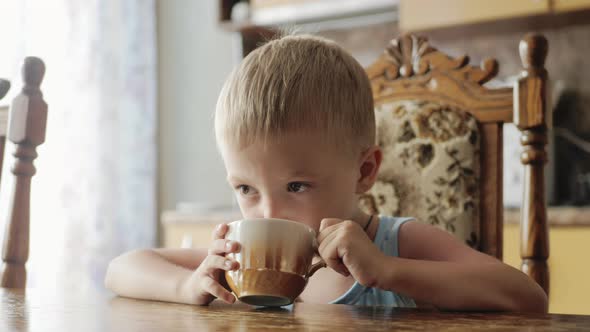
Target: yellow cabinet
[(570, 5), (569, 268), (191, 230), (428, 14)]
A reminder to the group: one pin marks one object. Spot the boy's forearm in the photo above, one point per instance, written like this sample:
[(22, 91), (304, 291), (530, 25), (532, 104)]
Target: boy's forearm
[(144, 274), (459, 286)]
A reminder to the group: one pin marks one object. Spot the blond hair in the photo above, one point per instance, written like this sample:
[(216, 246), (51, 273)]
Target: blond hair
[(297, 83)]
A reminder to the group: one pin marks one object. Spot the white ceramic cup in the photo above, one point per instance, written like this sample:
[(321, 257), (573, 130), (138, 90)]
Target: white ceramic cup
[(275, 260)]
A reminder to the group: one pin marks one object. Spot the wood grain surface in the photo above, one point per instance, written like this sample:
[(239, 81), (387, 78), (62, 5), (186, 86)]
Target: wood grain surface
[(33, 311)]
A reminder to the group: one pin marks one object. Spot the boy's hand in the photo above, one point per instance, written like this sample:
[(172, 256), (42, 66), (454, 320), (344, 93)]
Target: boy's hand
[(346, 248), (205, 284)]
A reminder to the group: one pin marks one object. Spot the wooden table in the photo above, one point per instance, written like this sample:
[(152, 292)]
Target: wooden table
[(102, 312)]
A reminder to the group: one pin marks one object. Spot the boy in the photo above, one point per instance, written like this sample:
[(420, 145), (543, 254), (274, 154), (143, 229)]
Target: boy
[(295, 126)]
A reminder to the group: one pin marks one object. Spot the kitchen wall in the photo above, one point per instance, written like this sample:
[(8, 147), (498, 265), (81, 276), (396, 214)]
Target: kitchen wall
[(195, 56)]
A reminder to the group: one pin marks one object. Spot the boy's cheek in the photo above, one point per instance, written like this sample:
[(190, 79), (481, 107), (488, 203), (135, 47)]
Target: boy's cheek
[(248, 208)]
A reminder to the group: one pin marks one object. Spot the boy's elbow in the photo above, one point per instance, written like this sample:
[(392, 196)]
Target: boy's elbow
[(535, 302), (110, 275), (539, 302), (115, 272)]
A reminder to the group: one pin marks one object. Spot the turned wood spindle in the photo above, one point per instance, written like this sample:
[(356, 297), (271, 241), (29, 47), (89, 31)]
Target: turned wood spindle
[(4, 87), (26, 129), (531, 116)]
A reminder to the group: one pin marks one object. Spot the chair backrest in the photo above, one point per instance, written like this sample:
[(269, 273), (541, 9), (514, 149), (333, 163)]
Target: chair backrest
[(26, 129), (440, 130)]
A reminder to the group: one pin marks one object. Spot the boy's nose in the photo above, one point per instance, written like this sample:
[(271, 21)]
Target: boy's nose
[(270, 213), (272, 209)]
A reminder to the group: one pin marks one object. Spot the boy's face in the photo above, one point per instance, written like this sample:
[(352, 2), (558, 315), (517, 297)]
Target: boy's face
[(300, 177)]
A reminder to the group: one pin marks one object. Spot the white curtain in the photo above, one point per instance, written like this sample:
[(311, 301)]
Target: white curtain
[(94, 194)]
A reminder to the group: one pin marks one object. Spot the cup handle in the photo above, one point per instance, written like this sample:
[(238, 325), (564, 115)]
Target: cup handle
[(313, 269)]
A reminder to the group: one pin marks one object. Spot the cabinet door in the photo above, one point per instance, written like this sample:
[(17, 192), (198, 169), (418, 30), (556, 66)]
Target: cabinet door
[(428, 14), (569, 288), (570, 5)]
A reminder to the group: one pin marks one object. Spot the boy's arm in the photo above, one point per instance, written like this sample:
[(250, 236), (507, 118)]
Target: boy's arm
[(435, 268), (153, 274)]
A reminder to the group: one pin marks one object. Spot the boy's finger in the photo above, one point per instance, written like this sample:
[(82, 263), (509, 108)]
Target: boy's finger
[(223, 246), (214, 288), (327, 222), (328, 230), (342, 269), (325, 238), (214, 263), (328, 250), (219, 232), (338, 266)]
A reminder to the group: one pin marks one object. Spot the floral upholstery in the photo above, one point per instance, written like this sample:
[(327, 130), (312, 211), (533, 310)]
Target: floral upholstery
[(430, 167)]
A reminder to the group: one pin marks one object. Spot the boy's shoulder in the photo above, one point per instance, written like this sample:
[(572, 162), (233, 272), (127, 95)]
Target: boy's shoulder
[(392, 223), (388, 234)]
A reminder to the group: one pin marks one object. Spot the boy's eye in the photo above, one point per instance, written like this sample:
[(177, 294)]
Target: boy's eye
[(244, 189), (297, 187)]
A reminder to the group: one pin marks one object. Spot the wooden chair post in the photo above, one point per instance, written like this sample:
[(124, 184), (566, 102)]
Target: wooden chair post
[(530, 115), (4, 87), (26, 129)]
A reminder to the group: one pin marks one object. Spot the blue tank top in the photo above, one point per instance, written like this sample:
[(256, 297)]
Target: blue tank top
[(386, 240)]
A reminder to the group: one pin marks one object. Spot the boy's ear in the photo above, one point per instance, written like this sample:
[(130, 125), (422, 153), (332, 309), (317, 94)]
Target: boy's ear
[(369, 167)]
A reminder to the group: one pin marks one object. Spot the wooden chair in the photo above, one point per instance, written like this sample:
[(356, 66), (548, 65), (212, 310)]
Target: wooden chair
[(26, 129), (4, 87), (429, 105)]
